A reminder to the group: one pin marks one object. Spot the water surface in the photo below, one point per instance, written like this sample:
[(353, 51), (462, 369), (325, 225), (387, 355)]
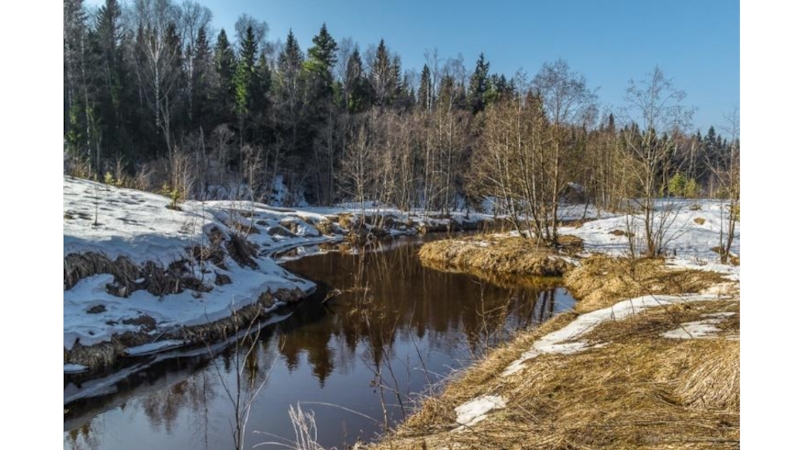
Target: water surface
[(380, 331)]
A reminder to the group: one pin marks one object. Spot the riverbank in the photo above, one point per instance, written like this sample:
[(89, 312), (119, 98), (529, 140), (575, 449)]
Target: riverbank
[(144, 274), (648, 358), (652, 371)]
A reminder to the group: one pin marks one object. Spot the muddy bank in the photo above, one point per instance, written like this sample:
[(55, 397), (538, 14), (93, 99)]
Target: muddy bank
[(654, 371), (501, 255)]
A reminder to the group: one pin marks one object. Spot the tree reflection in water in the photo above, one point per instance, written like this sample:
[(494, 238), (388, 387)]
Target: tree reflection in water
[(395, 329)]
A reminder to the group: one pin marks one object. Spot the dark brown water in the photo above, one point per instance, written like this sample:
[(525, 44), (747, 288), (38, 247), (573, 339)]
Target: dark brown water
[(357, 361)]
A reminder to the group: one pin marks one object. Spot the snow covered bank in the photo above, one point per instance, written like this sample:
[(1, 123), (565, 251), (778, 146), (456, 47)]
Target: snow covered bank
[(691, 232), (140, 273), (143, 274)]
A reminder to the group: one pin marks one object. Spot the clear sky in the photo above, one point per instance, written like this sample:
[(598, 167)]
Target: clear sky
[(610, 42)]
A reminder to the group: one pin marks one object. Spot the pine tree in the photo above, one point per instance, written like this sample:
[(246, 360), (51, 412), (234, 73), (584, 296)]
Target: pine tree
[(479, 85)]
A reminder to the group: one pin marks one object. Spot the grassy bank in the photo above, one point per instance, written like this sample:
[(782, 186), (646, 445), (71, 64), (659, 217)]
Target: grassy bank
[(498, 254), (619, 371)]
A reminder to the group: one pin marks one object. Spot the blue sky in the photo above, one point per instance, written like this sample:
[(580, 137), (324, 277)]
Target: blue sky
[(610, 42)]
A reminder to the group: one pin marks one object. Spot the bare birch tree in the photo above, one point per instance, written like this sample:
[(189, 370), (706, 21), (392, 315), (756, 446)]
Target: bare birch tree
[(657, 104)]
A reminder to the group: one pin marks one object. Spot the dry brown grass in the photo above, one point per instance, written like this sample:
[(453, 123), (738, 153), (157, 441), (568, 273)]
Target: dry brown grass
[(504, 280), (601, 281), (509, 255), (78, 266), (640, 390), (637, 390), (620, 233), (157, 280), (345, 220), (712, 377), (324, 226), (699, 220)]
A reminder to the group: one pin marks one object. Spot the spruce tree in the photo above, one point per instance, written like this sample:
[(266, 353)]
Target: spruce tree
[(289, 97), (201, 81), (110, 87), (425, 94), (78, 105), (479, 85), (245, 79), (357, 87), (224, 91), (383, 77), (264, 79), (322, 57)]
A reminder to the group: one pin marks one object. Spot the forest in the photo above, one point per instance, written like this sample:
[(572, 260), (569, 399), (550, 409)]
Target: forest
[(157, 99)]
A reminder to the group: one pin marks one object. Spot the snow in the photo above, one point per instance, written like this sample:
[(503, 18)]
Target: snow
[(170, 311), (475, 410), (75, 368), (563, 341), (139, 226), (154, 347), (688, 242), (699, 329)]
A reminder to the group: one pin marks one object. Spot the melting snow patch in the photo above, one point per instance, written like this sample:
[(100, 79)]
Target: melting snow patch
[(699, 329), (562, 341), (75, 368), (719, 315), (475, 410), (154, 347)]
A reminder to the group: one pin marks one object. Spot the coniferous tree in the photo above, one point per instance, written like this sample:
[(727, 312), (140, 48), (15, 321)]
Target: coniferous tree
[(80, 125), (111, 76), (264, 78), (357, 86), (383, 77), (321, 59), (289, 98), (245, 79), (479, 85), (224, 91), (425, 94), (201, 78)]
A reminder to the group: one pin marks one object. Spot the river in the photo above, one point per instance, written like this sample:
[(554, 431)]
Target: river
[(379, 334)]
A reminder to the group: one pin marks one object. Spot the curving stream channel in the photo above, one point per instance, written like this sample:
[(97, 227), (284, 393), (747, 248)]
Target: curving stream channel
[(380, 331)]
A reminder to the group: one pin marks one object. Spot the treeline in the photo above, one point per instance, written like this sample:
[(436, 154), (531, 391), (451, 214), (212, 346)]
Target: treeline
[(155, 98)]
